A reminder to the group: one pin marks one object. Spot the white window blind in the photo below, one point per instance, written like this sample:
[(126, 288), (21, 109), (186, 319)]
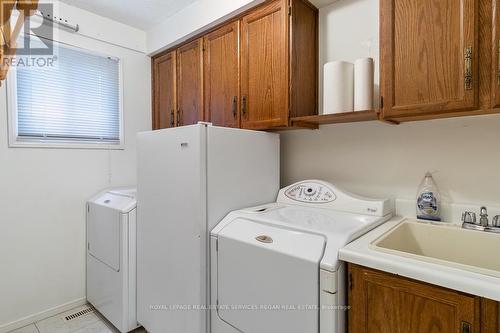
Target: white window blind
[(76, 100)]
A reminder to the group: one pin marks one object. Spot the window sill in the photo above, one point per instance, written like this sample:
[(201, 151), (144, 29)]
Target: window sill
[(65, 145)]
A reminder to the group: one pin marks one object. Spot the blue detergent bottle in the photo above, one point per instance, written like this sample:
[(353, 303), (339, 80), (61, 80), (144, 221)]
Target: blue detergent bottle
[(428, 200)]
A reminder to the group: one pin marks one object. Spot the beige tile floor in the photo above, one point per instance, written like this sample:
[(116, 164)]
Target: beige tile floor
[(89, 323)]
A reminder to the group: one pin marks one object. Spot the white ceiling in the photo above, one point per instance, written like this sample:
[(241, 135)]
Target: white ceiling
[(141, 14)]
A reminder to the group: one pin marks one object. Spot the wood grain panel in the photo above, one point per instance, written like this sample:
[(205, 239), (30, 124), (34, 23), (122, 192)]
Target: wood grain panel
[(264, 67), (490, 316), (423, 46), (190, 83), (387, 303), (222, 93), (304, 59), (164, 91), (495, 49)]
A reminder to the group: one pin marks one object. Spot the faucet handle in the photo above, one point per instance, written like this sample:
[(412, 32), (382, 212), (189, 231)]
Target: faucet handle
[(469, 217), (496, 221)]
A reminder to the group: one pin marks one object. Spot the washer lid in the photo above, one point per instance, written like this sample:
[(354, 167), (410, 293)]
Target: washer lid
[(122, 199), (268, 278)]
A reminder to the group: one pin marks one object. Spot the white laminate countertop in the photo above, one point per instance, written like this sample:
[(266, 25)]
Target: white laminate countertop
[(361, 252)]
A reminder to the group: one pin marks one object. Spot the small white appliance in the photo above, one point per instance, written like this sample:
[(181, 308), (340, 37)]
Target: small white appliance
[(111, 256), (275, 268), (189, 178)]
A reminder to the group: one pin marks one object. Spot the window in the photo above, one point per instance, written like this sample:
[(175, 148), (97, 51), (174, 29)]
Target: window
[(75, 103)]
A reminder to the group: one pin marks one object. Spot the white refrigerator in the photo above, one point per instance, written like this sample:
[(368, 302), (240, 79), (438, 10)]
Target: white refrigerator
[(189, 178)]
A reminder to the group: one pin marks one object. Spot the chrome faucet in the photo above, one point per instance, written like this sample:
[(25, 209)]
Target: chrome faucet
[(469, 221), (484, 217)]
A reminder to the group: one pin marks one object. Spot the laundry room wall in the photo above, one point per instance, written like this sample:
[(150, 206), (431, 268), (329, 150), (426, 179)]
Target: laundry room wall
[(199, 16), (42, 205), (381, 160)]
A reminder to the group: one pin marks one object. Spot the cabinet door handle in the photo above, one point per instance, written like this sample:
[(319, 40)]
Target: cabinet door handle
[(235, 105), (465, 327), (178, 117), (172, 122), (244, 105), (498, 65), (468, 69)]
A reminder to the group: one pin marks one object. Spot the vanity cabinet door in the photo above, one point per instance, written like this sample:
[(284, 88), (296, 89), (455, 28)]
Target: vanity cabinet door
[(386, 303), (190, 83), (164, 85), (490, 316), (429, 58)]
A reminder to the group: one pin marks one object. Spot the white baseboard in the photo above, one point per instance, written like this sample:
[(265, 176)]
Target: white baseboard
[(41, 315)]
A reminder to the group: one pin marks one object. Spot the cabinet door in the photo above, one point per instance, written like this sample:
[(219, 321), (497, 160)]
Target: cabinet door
[(190, 83), (429, 57), (222, 76), (496, 55), (385, 303), (164, 99), (264, 67), (490, 316)]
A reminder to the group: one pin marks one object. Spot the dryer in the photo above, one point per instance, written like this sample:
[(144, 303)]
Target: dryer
[(111, 256), (275, 268)]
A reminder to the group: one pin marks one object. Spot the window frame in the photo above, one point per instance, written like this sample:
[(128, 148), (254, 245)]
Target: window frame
[(16, 142)]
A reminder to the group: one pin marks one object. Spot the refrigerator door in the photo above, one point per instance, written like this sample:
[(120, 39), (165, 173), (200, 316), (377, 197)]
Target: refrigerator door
[(243, 170), (171, 229)]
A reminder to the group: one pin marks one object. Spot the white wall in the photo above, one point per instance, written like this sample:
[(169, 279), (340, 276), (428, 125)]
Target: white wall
[(378, 159), (383, 160), (197, 17), (348, 31), (43, 191)]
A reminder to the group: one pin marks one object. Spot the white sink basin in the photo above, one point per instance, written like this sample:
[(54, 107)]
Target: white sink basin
[(447, 245)]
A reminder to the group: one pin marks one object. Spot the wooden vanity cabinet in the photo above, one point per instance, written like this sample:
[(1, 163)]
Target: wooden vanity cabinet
[(429, 58), (164, 91), (490, 316), (386, 303), (190, 108), (222, 66)]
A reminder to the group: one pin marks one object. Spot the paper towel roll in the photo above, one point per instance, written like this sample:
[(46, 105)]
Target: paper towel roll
[(363, 84), (338, 87)]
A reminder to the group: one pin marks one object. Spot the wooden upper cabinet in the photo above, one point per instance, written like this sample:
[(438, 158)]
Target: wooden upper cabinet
[(190, 83), (222, 90), (264, 66), (429, 57), (164, 86), (385, 303), (495, 52)]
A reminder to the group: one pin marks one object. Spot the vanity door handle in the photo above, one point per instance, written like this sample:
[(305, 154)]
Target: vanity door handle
[(465, 327), (172, 120)]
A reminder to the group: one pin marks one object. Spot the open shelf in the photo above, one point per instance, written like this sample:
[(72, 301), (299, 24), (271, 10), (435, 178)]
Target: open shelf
[(336, 118)]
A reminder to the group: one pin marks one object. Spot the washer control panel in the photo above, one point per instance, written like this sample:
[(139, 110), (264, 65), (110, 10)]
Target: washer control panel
[(310, 192)]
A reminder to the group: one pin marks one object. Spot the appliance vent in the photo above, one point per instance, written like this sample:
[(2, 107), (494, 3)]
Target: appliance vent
[(78, 314)]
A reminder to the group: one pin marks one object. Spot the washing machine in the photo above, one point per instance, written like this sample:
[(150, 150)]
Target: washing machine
[(275, 268), (111, 256)]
